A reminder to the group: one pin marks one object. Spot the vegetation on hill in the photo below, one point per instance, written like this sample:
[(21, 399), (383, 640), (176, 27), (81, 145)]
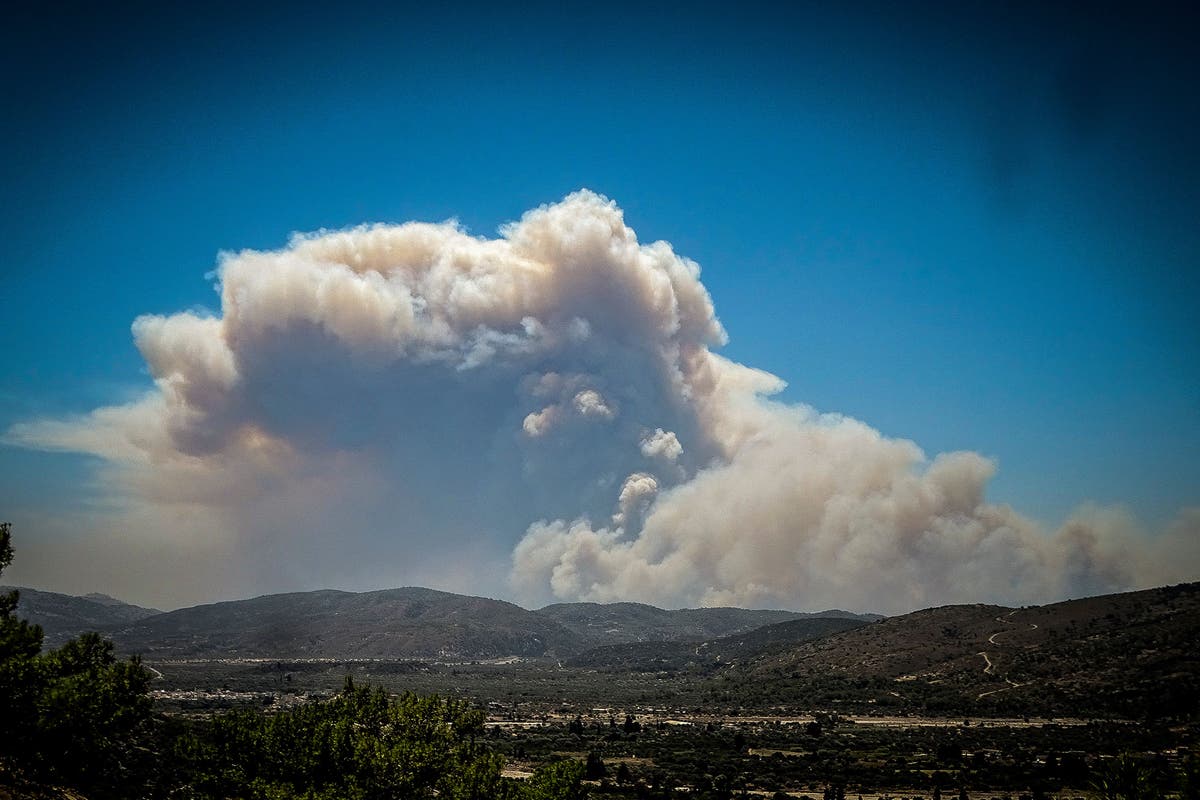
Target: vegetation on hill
[(600, 624), (708, 655)]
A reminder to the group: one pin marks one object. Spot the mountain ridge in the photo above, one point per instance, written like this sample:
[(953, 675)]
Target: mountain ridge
[(404, 622), (1128, 654)]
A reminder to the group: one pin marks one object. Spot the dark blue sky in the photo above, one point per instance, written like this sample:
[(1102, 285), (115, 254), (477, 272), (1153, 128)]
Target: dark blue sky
[(973, 229)]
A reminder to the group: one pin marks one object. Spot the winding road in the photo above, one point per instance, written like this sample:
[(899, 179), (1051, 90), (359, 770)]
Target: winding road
[(990, 667)]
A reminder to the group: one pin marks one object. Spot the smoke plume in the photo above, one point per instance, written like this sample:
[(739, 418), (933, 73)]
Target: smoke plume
[(409, 403)]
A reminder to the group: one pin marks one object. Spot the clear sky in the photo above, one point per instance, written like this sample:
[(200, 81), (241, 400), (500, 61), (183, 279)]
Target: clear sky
[(972, 229)]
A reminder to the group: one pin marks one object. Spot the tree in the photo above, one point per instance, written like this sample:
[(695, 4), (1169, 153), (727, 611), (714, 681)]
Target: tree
[(1126, 778), (73, 715), (20, 644), (92, 711), (1189, 779), (562, 780), (595, 769), (363, 744)]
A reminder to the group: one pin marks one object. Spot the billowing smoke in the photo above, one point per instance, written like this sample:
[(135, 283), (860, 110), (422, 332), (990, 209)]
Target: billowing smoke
[(408, 403)]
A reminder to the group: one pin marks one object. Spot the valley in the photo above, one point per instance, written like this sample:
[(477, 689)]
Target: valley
[(672, 735), (982, 700)]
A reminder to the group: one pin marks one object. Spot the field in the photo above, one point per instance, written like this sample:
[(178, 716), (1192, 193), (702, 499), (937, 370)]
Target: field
[(654, 734)]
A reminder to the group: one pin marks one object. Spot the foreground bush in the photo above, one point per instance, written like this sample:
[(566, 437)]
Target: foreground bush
[(361, 745)]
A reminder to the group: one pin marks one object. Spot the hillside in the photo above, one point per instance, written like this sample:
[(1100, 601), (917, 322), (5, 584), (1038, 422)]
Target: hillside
[(713, 653), (620, 623), (63, 616), (1129, 654), (395, 623)]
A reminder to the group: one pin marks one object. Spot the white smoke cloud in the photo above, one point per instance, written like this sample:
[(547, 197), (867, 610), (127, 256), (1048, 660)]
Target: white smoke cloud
[(590, 403), (637, 492), (661, 444), (541, 422), (398, 403)]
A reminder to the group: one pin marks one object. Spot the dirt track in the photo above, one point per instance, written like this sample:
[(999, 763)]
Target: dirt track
[(990, 667)]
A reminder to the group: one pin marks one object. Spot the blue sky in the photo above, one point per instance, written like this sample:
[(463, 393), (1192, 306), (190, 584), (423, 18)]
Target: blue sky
[(975, 230)]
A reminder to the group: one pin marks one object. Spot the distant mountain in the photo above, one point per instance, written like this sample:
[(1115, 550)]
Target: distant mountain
[(706, 655), (63, 616), (395, 623), (1129, 654), (421, 623), (620, 623)]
